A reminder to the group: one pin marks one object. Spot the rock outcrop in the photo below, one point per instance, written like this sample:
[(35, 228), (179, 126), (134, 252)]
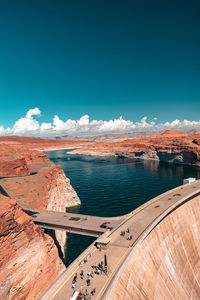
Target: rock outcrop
[(172, 133), (47, 189), (12, 167), (14, 160), (61, 194), (29, 260), (166, 265), (170, 147)]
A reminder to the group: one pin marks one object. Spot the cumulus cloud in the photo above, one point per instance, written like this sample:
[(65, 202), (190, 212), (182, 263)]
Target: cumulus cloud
[(30, 126), (27, 125)]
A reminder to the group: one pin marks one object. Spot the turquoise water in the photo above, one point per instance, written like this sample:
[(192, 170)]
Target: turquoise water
[(113, 186)]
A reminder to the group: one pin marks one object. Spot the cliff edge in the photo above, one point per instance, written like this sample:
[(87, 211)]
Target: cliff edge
[(170, 147), (29, 260)]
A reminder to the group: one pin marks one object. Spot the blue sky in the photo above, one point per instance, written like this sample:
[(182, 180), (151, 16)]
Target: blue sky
[(100, 58)]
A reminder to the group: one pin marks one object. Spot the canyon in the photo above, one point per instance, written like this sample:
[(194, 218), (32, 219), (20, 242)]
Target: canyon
[(29, 258), (169, 147)]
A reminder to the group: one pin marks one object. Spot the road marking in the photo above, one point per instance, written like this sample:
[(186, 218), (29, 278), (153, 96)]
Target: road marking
[(118, 245), (62, 284)]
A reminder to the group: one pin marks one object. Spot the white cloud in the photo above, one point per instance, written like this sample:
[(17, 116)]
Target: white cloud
[(29, 126), (33, 112), (2, 130)]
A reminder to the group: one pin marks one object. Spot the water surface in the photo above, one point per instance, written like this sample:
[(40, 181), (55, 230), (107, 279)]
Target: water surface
[(113, 186)]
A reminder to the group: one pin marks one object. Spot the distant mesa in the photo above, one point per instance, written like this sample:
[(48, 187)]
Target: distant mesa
[(171, 133)]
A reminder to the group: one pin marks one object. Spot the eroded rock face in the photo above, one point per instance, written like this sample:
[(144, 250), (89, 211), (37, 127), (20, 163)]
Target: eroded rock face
[(10, 167), (29, 260), (60, 192), (170, 146), (14, 160), (166, 265), (61, 195), (47, 189), (47, 186)]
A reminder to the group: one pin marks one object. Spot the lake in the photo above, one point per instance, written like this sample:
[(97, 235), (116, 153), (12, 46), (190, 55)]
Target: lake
[(114, 186)]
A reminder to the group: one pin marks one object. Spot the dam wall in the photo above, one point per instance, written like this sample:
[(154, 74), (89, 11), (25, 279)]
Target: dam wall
[(166, 265)]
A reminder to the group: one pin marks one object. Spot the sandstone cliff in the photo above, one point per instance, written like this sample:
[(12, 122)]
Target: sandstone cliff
[(29, 260), (171, 147), (14, 160), (166, 265), (35, 183), (47, 189), (60, 192), (47, 186), (11, 167), (61, 195)]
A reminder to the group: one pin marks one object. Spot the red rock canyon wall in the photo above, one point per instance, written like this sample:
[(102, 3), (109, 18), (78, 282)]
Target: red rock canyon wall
[(29, 260)]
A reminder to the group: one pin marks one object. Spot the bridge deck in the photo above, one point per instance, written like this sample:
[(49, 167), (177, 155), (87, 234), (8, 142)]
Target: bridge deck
[(140, 222), (75, 223)]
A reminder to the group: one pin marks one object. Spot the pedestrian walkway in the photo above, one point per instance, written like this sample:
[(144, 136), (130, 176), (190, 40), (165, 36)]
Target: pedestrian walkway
[(122, 240)]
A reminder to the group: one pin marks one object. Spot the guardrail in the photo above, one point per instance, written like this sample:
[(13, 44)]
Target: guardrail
[(144, 234), (83, 231)]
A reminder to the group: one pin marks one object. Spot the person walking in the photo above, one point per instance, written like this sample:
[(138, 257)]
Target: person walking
[(75, 278), (81, 274), (73, 285), (93, 292), (88, 282)]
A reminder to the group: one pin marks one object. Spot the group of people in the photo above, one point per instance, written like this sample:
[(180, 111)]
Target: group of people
[(86, 295), (124, 232), (98, 269)]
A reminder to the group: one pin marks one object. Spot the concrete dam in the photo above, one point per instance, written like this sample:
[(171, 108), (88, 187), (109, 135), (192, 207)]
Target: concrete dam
[(166, 265), (161, 261)]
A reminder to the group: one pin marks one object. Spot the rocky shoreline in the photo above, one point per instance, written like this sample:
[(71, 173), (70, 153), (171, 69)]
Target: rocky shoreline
[(169, 147), (175, 157)]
